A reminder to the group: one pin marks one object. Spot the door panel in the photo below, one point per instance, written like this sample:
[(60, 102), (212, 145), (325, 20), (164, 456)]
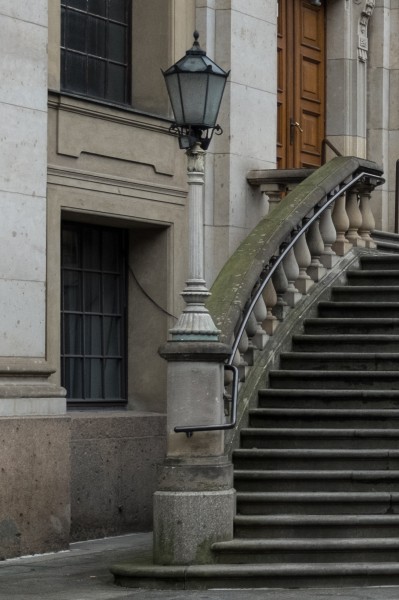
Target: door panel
[(301, 84)]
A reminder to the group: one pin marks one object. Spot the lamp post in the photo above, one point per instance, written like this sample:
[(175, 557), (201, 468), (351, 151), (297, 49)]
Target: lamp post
[(195, 86), (195, 501)]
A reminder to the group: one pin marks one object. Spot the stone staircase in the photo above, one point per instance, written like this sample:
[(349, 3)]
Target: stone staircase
[(317, 472)]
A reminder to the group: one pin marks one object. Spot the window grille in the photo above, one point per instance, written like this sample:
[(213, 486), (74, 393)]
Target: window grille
[(96, 48)]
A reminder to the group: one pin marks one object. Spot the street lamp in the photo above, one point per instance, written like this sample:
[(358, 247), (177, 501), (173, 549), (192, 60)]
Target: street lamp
[(195, 86), (195, 500)]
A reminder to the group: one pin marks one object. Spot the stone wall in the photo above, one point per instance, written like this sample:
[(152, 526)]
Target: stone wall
[(114, 460)]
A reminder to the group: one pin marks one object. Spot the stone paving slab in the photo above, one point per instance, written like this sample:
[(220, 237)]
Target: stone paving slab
[(82, 573)]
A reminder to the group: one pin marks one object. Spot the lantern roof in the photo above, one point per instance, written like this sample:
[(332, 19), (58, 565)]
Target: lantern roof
[(195, 61)]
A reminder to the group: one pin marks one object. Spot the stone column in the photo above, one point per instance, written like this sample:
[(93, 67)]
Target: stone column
[(195, 502), (346, 66)]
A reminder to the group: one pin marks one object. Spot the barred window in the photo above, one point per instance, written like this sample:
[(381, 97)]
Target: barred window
[(96, 48), (93, 314)]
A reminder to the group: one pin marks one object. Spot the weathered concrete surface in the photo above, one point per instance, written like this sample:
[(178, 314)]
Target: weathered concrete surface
[(34, 483), (114, 460), (83, 574)]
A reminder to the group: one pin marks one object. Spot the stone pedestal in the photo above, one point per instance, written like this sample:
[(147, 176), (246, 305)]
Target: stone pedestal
[(194, 505)]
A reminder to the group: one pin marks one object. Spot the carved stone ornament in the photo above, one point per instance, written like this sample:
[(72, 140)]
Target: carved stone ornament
[(363, 42), (196, 159)]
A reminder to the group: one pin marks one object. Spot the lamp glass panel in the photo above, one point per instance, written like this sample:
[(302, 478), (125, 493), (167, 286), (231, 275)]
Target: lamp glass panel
[(193, 89), (215, 93), (172, 84)]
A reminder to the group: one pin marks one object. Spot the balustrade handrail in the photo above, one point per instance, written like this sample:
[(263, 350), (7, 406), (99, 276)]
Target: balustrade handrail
[(286, 224)]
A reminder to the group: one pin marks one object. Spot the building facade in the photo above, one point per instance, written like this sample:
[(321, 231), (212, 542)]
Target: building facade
[(94, 228)]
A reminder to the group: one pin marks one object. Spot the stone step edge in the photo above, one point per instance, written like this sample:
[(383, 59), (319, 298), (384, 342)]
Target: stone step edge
[(297, 474), (309, 355), (320, 431), (363, 272), (365, 288), (314, 453), (320, 544), (184, 573), (321, 373), (297, 497), (325, 412), (319, 520), (356, 321), (361, 394), (356, 304)]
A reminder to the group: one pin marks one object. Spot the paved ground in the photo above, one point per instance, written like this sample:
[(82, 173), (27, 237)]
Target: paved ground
[(82, 574)]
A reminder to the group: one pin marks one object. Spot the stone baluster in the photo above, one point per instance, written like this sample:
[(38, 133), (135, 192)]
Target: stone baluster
[(328, 258), (251, 329), (304, 282), (280, 283), (341, 223), (291, 269), (243, 346), (355, 218), (368, 222), (271, 322), (274, 192), (316, 246), (260, 313)]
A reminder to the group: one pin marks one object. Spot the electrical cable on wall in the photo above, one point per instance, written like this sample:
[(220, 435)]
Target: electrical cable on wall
[(148, 296)]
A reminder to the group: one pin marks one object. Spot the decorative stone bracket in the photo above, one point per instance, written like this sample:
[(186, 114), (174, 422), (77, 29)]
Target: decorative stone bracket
[(363, 42)]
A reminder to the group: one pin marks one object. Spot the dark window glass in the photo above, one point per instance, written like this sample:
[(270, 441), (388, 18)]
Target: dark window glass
[(116, 81), (95, 48), (116, 42), (97, 7), (93, 281), (117, 10), (96, 38), (96, 75), (75, 31), (80, 4), (75, 71)]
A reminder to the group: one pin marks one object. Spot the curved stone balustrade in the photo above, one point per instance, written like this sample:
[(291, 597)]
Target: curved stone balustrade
[(300, 239)]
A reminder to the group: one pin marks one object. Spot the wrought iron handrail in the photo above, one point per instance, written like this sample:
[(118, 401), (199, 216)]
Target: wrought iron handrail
[(300, 229)]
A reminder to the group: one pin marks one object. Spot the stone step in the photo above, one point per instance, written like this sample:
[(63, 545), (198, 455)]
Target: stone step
[(374, 277), (345, 343), (269, 398), (322, 379), (325, 417), (289, 437), (358, 309), (255, 576), (307, 550), (322, 503), (353, 526), (361, 293), (335, 361), (386, 242), (311, 458), (337, 325), (382, 261), (306, 480)]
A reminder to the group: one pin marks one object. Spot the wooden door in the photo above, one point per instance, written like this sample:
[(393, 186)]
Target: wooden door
[(301, 84)]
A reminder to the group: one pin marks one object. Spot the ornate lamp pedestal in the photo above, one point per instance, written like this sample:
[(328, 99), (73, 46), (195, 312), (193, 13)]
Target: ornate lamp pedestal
[(195, 502)]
